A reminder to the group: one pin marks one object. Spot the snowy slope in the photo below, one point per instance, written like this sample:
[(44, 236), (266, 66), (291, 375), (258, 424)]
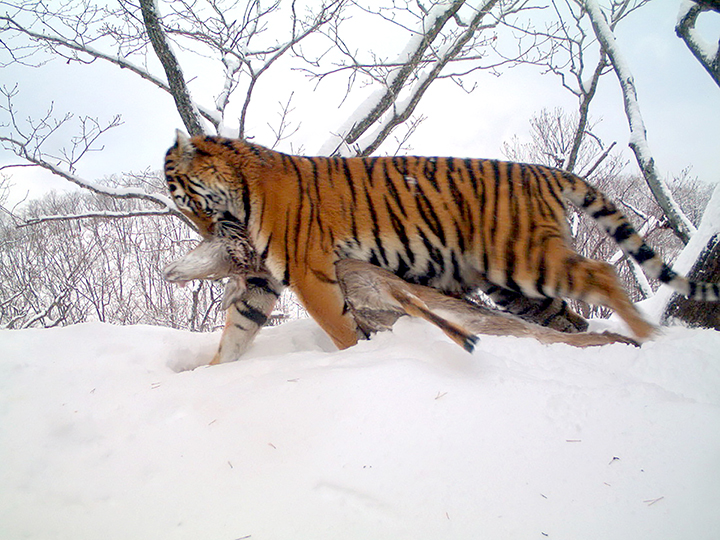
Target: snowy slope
[(104, 436)]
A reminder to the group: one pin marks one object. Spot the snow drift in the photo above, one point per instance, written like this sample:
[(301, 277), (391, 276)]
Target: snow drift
[(109, 432)]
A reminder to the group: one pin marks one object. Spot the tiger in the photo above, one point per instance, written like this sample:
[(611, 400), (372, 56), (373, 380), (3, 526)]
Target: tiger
[(453, 224)]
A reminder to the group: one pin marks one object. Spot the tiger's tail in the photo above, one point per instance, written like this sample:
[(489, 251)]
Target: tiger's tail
[(608, 216)]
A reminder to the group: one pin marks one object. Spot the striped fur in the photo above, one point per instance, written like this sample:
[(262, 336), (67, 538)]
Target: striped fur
[(447, 223)]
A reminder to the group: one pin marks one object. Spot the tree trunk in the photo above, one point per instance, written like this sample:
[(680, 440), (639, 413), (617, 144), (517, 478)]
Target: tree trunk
[(692, 312)]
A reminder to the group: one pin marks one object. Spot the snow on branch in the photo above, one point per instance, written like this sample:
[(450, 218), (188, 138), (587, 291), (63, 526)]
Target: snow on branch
[(403, 110), (431, 47), (680, 224), (101, 215), (708, 54), (22, 150), (414, 53)]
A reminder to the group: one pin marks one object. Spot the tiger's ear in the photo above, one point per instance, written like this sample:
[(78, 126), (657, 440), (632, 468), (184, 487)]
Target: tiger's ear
[(185, 145)]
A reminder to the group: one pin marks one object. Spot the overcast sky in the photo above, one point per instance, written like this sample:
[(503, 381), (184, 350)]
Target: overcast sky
[(678, 99)]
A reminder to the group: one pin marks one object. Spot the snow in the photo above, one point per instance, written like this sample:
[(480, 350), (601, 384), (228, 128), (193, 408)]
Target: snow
[(108, 432)]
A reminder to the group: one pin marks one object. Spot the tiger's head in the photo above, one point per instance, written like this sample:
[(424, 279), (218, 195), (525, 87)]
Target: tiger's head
[(206, 182)]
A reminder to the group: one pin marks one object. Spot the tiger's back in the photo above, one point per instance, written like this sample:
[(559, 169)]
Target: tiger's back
[(448, 223)]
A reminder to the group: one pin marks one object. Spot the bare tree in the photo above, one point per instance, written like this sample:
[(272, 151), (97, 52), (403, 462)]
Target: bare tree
[(68, 271), (439, 37), (159, 42)]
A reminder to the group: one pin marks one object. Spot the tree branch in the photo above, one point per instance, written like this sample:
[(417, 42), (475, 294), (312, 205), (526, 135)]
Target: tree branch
[(178, 89), (101, 215), (407, 109), (400, 78), (708, 55)]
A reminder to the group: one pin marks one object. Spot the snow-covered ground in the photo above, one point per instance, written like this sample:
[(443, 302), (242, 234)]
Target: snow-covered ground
[(108, 433)]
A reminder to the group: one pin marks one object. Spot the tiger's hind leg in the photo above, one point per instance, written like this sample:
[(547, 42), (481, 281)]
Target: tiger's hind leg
[(554, 313), (567, 274)]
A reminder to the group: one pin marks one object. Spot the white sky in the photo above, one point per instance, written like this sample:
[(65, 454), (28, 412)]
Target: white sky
[(678, 98)]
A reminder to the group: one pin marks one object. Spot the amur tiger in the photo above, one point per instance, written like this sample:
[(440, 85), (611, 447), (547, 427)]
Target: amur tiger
[(451, 224)]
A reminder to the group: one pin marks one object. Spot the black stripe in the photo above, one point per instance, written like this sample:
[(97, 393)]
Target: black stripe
[(469, 168), (457, 276), (394, 193), (376, 229), (322, 276), (349, 179), (643, 254), (496, 203), (605, 211), (554, 189), (460, 236), (542, 203), (458, 197), (287, 246), (252, 314), (590, 197), (667, 274), (369, 163), (430, 169), (481, 195), (514, 231), (329, 162), (264, 284), (427, 213), (400, 232), (433, 252), (400, 164), (623, 232), (316, 204)]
